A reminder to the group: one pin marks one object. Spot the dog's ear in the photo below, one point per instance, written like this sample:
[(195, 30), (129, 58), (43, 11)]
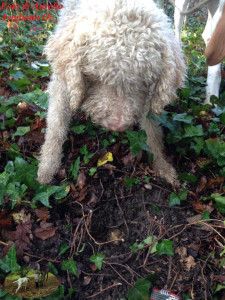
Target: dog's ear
[(65, 46), (65, 51), (215, 50)]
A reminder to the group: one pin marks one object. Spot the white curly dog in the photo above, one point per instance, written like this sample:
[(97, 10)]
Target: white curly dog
[(20, 282), (118, 60)]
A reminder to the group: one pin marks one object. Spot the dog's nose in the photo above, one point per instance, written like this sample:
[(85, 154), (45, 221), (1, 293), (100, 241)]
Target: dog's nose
[(114, 127)]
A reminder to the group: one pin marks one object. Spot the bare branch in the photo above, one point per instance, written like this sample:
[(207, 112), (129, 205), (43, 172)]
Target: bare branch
[(191, 10)]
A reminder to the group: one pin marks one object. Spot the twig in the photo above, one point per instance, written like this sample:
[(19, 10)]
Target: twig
[(118, 274), (44, 258), (169, 272), (88, 232), (125, 222), (191, 10), (103, 290)]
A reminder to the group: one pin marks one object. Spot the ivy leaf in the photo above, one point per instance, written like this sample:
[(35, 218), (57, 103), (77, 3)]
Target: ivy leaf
[(131, 181), (71, 266), (20, 131), (183, 118), (74, 169), (174, 200), (97, 259), (205, 215), (149, 240), (188, 177), (165, 247), (137, 141), (183, 195), (9, 262), (43, 198), (140, 291), (192, 131), (63, 248), (25, 173)]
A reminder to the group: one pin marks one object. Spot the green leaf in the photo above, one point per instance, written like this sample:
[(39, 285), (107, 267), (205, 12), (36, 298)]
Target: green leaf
[(183, 195), (25, 173), (165, 247), (140, 291), (174, 200), (183, 118), (2, 192), (53, 269), (71, 266), (220, 203), (97, 259), (188, 177), (80, 129), (198, 144), (192, 131), (9, 262), (131, 181), (137, 141), (63, 248), (20, 131), (149, 240), (74, 169), (43, 198), (9, 168), (205, 215), (2, 293), (219, 287), (92, 171)]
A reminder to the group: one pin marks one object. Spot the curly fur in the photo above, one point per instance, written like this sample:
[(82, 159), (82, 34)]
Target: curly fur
[(117, 60)]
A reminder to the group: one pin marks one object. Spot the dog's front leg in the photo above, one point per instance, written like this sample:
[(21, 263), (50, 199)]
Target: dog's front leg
[(58, 118), (155, 143)]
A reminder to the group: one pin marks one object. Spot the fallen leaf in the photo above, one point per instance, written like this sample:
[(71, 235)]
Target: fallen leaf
[(189, 262), (104, 159), (93, 200), (199, 206), (42, 213), (87, 280), (194, 195), (181, 251), (93, 267), (194, 218), (215, 183), (148, 186), (5, 219), (81, 180), (128, 160), (45, 231), (202, 184)]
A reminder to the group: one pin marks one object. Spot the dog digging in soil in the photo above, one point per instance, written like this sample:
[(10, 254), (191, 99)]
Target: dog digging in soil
[(117, 60)]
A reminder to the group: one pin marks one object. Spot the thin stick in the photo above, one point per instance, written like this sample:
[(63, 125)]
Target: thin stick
[(107, 288)]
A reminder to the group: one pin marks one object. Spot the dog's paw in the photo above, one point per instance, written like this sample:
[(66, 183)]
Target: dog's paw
[(44, 175), (167, 172)]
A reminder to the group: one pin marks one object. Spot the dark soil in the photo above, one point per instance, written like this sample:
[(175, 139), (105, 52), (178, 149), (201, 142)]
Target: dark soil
[(130, 215)]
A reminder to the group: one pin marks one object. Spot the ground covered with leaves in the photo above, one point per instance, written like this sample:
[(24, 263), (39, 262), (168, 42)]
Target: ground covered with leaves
[(107, 226)]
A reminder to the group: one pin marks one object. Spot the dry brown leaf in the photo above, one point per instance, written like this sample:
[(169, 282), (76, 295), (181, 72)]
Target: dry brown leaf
[(194, 218), (213, 183), (189, 262), (93, 200), (181, 251), (81, 180), (199, 206), (128, 160), (45, 231), (202, 184), (42, 213), (87, 280), (93, 267)]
